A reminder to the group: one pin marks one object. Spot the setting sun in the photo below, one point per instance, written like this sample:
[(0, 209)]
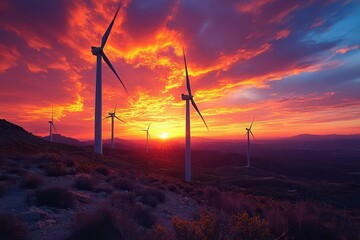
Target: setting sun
[(164, 135)]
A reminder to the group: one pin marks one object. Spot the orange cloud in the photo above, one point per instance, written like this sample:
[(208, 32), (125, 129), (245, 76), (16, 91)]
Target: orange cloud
[(282, 34), (9, 58), (346, 49)]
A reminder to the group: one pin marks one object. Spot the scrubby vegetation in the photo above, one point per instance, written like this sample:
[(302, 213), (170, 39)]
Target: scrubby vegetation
[(55, 169), (151, 196), (32, 181), (123, 184), (84, 182), (12, 227), (103, 224), (55, 197)]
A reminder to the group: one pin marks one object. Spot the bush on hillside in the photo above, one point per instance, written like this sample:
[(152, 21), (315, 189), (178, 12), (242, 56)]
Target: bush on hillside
[(31, 181), (55, 197), (151, 196)]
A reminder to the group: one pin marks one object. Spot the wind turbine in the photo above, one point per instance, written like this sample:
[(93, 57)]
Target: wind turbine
[(112, 115), (189, 98), (147, 138), (248, 132), (51, 123), (99, 53)]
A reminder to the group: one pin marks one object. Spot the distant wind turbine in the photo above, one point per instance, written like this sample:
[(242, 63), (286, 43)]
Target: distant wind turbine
[(99, 53), (248, 132), (112, 115), (51, 123), (147, 137), (189, 98)]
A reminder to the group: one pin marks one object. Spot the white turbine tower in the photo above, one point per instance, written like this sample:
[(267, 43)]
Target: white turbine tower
[(147, 137), (99, 53), (189, 98), (112, 115), (248, 132), (51, 123)]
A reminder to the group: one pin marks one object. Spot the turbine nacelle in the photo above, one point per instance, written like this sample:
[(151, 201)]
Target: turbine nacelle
[(96, 50), (111, 114), (50, 122), (186, 97)]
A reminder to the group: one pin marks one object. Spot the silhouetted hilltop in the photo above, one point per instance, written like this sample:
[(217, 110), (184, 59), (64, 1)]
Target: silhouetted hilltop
[(14, 139), (58, 138)]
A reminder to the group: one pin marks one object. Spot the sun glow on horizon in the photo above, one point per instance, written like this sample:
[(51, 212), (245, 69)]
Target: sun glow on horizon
[(164, 135)]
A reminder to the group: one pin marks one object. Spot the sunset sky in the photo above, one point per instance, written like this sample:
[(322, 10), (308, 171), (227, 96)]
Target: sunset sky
[(295, 65)]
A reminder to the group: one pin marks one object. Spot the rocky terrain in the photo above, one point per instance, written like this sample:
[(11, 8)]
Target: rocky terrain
[(58, 191)]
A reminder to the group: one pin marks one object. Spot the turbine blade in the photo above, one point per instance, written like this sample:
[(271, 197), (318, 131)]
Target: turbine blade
[(149, 135), (252, 135), (116, 104), (120, 119), (52, 114), (252, 122), (106, 117), (54, 127), (113, 69), (197, 109), (148, 127), (106, 34), (187, 75)]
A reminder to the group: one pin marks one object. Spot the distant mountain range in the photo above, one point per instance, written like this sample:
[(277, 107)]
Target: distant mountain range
[(12, 135), (311, 137), (62, 139)]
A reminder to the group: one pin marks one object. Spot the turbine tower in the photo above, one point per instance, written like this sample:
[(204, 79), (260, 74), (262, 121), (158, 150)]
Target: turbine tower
[(99, 53), (112, 115), (147, 138), (189, 98), (248, 132), (51, 123)]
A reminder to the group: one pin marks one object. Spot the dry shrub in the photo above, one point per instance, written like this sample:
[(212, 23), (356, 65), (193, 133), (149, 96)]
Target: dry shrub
[(12, 228), (142, 215), (103, 224), (84, 182), (242, 226), (212, 196), (213, 226), (123, 184), (173, 188), (309, 221), (238, 203), (55, 197), (207, 227), (55, 169), (123, 200), (151, 196), (31, 181), (103, 171), (159, 232)]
